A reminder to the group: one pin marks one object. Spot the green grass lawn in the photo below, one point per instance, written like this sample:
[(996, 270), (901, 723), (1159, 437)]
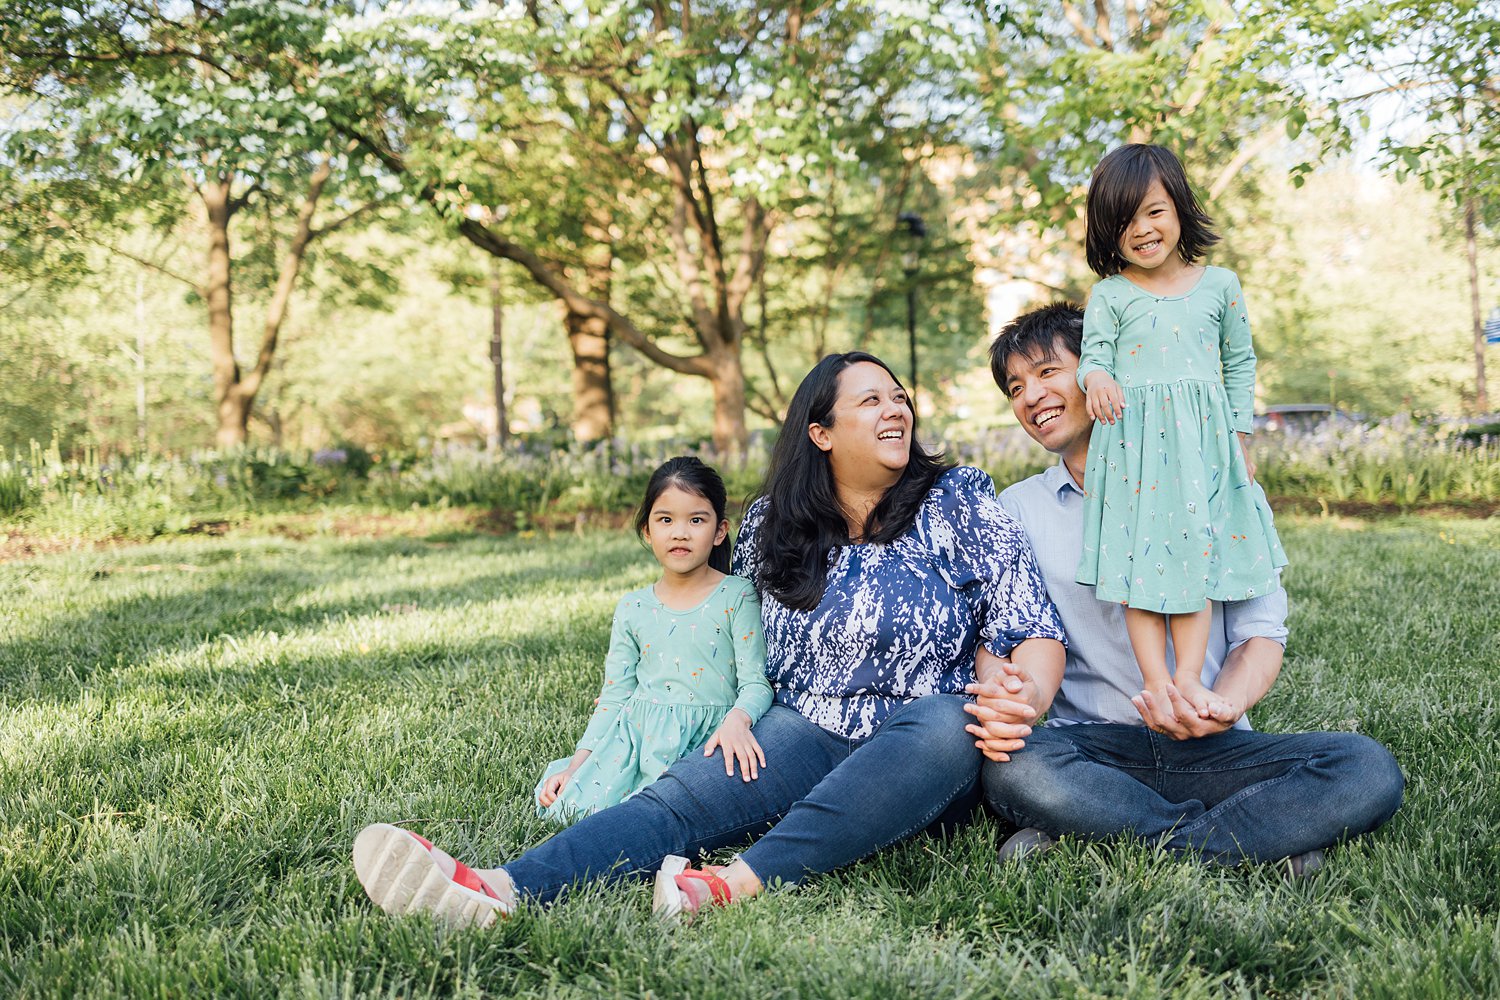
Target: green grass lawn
[(194, 730)]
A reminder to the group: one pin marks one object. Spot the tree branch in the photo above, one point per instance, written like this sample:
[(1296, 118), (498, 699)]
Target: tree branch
[(65, 225), (1195, 63), (286, 281), (1249, 151), (1102, 27), (1082, 30), (347, 218)]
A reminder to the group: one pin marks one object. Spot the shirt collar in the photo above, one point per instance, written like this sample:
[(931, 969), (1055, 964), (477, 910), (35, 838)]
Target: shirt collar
[(1059, 480)]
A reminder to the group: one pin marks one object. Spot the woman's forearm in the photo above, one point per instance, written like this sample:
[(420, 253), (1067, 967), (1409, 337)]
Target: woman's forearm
[(1040, 663)]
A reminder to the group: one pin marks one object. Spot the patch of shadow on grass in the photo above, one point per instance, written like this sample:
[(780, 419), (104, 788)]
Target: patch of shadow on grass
[(70, 651)]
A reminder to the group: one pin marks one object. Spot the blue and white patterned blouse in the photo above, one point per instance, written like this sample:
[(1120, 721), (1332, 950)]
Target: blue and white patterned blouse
[(904, 619)]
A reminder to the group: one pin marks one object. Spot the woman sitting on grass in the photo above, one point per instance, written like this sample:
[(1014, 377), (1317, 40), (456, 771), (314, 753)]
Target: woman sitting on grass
[(883, 573)]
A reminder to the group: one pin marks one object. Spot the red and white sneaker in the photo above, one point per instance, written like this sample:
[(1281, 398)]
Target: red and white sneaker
[(682, 891), (403, 873)]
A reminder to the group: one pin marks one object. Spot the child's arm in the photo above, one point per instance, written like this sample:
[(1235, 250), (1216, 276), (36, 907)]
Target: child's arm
[(620, 665), (754, 691), (553, 786), (1101, 334), (1237, 357)]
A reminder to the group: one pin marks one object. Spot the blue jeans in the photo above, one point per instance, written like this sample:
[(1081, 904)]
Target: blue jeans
[(1234, 796), (825, 800)]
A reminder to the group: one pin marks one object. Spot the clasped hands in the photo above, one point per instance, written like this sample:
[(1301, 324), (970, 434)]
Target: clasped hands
[(1004, 711), (1173, 715)]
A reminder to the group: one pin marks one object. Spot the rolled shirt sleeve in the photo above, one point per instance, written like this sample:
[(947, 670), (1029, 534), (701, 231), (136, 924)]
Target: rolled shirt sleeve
[(982, 551), (1258, 618)]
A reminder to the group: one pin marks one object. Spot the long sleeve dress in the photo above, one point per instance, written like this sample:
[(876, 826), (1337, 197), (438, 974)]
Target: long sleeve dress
[(670, 677), (1174, 519)]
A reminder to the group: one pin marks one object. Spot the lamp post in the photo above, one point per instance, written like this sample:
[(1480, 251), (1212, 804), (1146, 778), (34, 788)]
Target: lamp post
[(911, 260)]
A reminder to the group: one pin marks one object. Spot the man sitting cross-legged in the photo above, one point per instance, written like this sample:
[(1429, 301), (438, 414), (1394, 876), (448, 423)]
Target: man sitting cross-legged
[(1111, 760)]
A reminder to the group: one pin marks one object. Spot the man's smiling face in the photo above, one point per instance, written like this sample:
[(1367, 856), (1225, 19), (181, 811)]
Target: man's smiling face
[(1045, 398)]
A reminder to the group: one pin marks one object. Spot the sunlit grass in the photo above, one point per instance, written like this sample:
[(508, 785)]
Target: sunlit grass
[(195, 729)]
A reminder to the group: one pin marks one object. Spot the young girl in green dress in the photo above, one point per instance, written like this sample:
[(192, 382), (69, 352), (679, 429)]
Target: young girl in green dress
[(1174, 518), (686, 661)]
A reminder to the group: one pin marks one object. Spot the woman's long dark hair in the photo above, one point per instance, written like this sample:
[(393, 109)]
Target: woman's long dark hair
[(803, 519), (691, 476)]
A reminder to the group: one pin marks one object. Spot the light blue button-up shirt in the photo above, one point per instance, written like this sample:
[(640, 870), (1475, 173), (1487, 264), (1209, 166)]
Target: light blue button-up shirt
[(1101, 674)]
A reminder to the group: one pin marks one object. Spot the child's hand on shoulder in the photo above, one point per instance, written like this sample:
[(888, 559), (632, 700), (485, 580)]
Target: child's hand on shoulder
[(1103, 397), (738, 743)]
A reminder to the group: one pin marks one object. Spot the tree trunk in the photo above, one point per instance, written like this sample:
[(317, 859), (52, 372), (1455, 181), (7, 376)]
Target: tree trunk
[(588, 337), (593, 393), (731, 436), (1471, 250), (233, 413), (497, 355)]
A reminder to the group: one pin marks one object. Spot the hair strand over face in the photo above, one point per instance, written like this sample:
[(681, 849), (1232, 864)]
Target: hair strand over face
[(1115, 194)]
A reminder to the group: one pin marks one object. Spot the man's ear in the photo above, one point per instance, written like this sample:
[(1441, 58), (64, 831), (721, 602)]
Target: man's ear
[(818, 435)]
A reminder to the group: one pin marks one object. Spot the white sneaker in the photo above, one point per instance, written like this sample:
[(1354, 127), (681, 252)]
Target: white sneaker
[(1024, 845), (403, 873)]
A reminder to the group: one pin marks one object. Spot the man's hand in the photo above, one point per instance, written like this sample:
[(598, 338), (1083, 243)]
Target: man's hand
[(1180, 720), (1002, 708)]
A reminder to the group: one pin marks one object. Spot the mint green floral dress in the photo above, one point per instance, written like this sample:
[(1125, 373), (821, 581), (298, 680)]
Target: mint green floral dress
[(670, 677), (1173, 517)]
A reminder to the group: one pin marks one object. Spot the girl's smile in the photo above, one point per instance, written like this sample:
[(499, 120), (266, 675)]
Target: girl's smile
[(1150, 239)]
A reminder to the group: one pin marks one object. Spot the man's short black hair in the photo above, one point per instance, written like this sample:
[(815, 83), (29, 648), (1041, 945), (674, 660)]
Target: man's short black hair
[(1115, 194), (1035, 336)]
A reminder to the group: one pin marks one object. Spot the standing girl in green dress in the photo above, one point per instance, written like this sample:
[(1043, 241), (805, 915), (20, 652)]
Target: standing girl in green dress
[(686, 661), (1175, 519)]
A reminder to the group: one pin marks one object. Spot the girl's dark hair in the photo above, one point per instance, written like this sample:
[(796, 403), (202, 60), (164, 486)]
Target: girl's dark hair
[(691, 476), (803, 521), (1115, 193)]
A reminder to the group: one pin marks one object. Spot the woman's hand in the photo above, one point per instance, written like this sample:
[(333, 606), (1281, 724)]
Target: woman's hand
[(553, 786), (1002, 709), (1245, 450), (1105, 401), (738, 743)]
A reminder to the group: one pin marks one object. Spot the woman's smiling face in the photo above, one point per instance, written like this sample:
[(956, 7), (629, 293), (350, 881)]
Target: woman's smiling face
[(869, 435)]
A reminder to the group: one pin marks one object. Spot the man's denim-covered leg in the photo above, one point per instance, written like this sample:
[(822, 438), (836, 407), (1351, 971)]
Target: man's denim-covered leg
[(1270, 796), (1238, 795), (894, 784), (693, 807)]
